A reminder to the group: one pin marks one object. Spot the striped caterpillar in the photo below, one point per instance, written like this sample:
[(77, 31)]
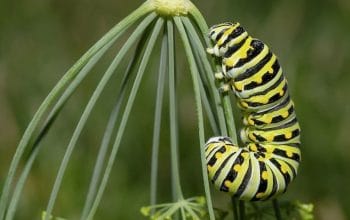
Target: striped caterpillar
[(269, 161)]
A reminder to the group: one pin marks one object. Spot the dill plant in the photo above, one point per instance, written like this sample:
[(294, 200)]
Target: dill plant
[(156, 19)]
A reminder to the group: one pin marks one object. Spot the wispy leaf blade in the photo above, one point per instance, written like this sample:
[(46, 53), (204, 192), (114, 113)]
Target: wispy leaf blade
[(125, 117), (95, 178), (158, 119), (88, 109), (56, 91), (195, 79)]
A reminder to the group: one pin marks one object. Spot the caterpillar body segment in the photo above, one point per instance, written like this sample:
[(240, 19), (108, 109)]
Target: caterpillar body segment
[(270, 158)]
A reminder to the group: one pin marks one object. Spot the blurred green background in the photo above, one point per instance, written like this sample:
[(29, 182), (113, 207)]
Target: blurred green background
[(41, 39)]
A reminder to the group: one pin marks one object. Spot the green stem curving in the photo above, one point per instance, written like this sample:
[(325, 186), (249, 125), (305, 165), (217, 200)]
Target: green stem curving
[(56, 91), (87, 111)]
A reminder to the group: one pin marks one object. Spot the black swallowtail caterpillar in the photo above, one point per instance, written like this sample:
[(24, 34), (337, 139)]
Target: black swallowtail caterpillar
[(270, 158)]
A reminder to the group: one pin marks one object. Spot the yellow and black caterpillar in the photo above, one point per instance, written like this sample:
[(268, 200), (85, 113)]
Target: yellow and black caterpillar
[(270, 158)]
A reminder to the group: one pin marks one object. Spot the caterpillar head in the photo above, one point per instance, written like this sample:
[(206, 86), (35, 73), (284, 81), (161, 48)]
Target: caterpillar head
[(216, 31), (224, 36)]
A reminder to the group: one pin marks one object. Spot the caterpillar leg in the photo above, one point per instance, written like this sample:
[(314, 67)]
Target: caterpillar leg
[(210, 50), (213, 51), (219, 76), (225, 88)]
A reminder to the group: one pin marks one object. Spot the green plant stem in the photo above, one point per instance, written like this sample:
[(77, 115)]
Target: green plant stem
[(88, 109), (225, 112), (195, 79), (206, 103), (66, 79), (125, 117), (230, 123), (49, 121), (208, 94), (276, 209), (198, 47), (111, 125), (241, 210), (225, 99), (235, 208), (200, 21), (205, 87), (176, 184), (24, 175), (158, 119)]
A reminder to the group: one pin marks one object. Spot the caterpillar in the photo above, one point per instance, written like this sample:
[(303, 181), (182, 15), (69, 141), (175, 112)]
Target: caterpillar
[(270, 158)]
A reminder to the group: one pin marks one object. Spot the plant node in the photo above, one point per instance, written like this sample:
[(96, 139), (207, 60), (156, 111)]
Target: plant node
[(171, 7)]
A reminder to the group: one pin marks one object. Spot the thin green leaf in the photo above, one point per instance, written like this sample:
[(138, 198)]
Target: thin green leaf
[(207, 91), (176, 184), (83, 119), (195, 79), (209, 71), (225, 99), (66, 79), (158, 119), (200, 21), (209, 105), (111, 125), (125, 116), (21, 181), (230, 123), (49, 121)]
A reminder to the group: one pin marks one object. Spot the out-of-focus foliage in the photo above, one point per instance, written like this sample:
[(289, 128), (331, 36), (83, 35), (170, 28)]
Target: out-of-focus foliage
[(41, 39), (292, 210)]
